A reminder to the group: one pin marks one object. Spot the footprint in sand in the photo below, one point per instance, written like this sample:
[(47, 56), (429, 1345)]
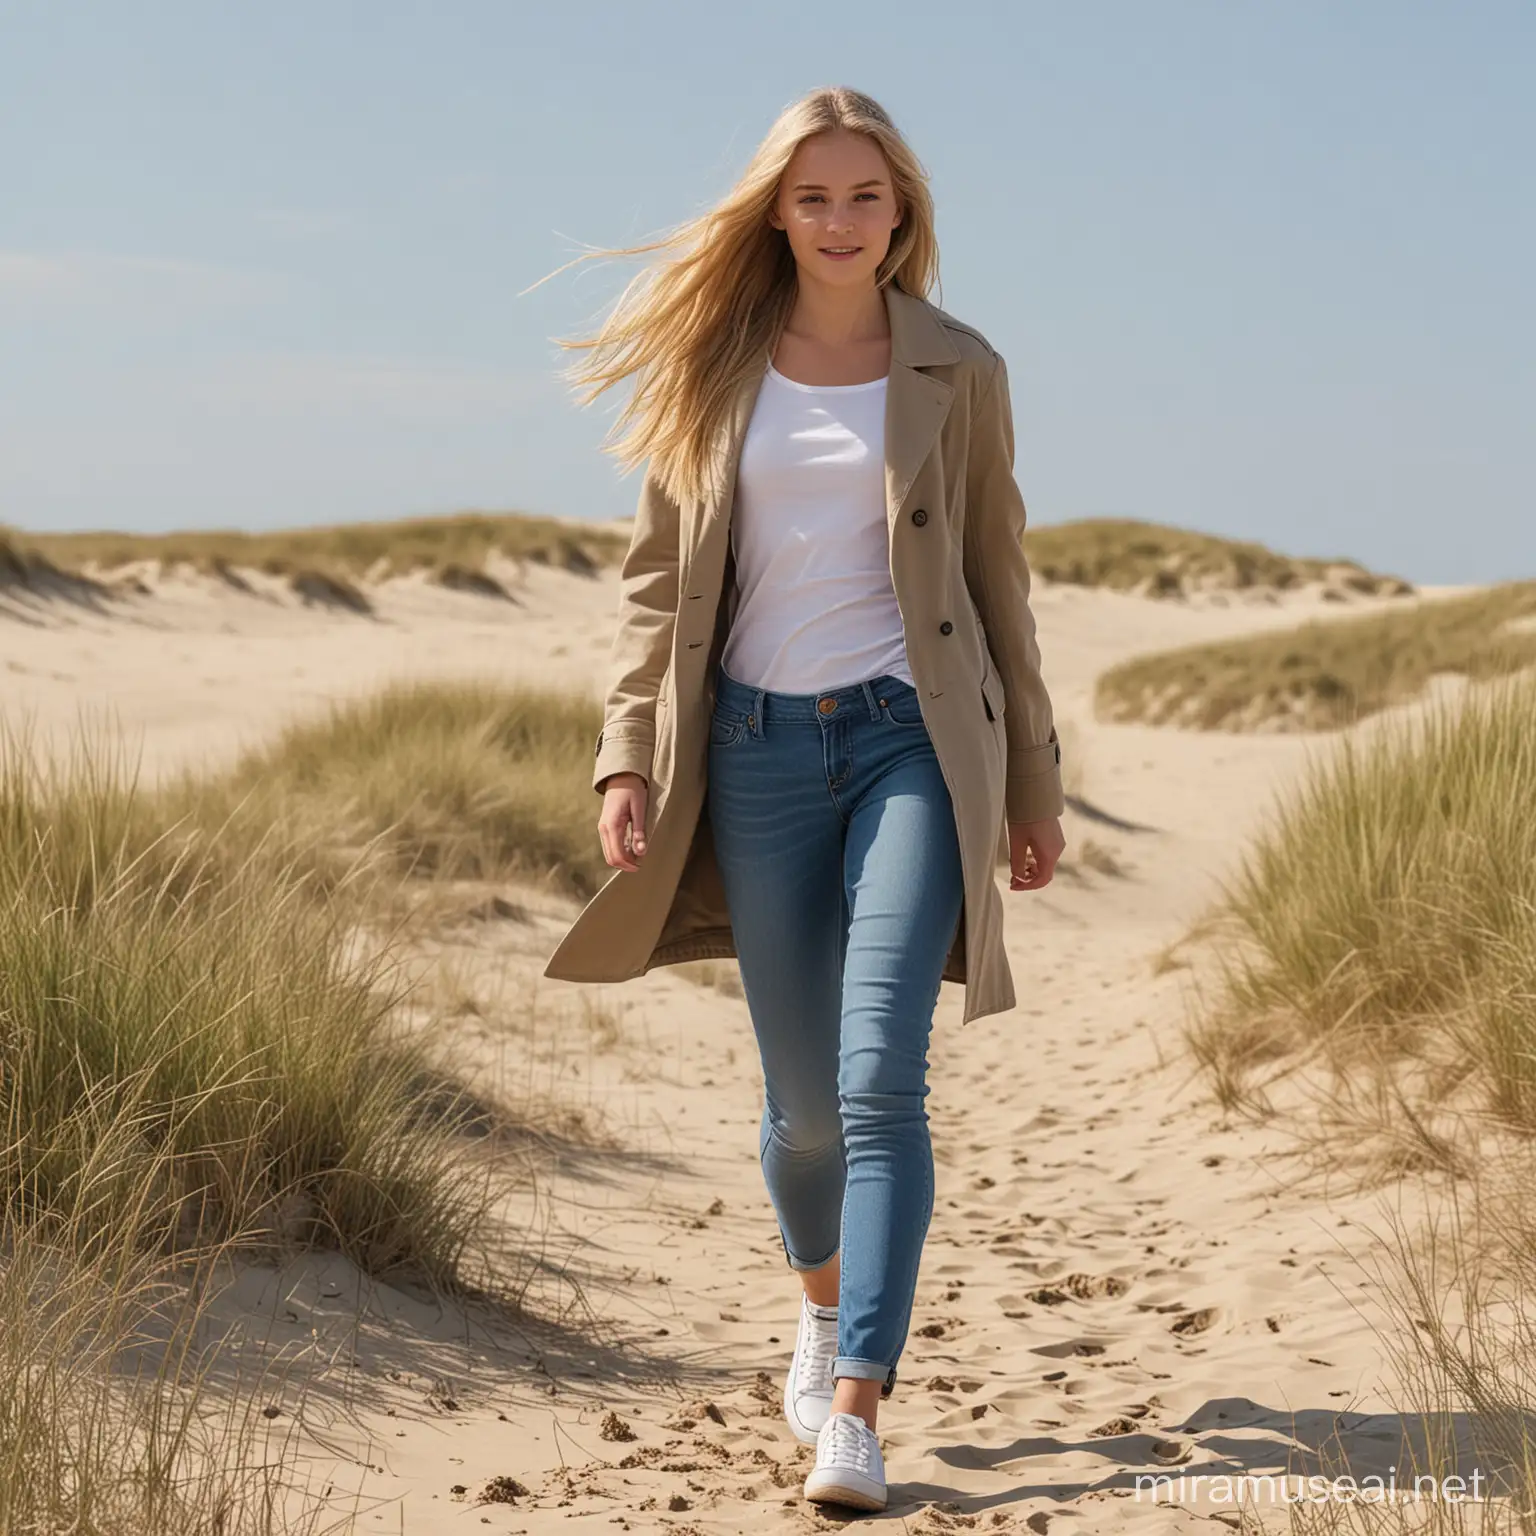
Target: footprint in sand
[(1078, 1287), (1187, 1323), (1062, 1349)]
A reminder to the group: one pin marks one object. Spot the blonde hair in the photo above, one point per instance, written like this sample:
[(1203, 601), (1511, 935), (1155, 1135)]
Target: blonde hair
[(696, 322)]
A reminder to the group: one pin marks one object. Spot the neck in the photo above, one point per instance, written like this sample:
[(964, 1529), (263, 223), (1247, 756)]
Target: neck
[(837, 317)]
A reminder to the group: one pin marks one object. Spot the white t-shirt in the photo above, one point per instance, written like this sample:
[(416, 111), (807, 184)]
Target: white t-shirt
[(816, 609)]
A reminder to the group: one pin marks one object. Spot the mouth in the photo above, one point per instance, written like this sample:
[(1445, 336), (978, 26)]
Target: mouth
[(840, 251)]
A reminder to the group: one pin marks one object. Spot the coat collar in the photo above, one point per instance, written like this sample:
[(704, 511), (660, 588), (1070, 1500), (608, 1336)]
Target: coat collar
[(916, 404), (918, 336)]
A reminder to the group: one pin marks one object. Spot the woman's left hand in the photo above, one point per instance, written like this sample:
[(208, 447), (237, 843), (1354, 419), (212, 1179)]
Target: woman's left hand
[(1033, 849)]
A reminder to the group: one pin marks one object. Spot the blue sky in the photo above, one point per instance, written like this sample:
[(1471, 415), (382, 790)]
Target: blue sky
[(1259, 269)]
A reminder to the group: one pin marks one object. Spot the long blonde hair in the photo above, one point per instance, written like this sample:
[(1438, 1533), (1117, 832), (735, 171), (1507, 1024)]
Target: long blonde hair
[(696, 322)]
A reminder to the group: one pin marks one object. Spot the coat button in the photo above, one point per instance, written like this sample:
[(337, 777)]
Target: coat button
[(919, 517), (946, 628)]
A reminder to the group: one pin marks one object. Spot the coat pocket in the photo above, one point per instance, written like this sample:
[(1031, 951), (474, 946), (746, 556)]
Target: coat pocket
[(992, 694)]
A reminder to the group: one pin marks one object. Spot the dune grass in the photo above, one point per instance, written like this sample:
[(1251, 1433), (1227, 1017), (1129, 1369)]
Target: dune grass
[(323, 589), (24, 567), (1325, 675), (193, 1061), (1125, 555), (425, 780), (130, 919), (1453, 1293), (199, 1057), (1382, 929), (342, 550), (198, 993), (95, 1441), (1376, 998)]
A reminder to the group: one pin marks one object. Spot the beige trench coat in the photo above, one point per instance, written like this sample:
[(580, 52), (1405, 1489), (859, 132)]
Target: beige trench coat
[(962, 586)]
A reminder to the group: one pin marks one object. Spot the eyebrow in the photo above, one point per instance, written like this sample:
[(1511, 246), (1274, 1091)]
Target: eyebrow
[(816, 186)]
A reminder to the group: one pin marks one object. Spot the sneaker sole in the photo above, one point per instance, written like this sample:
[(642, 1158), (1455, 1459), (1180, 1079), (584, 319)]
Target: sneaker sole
[(855, 1497)]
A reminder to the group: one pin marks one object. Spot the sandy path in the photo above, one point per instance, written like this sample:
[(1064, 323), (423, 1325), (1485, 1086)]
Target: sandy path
[(1112, 1280)]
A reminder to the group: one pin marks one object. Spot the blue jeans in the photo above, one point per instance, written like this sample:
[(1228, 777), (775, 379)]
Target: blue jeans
[(836, 843)]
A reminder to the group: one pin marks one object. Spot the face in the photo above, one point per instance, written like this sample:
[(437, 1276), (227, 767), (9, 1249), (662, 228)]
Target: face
[(838, 208)]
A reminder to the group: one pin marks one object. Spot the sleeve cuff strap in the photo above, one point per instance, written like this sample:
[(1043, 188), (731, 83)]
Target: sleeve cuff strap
[(622, 752), (1026, 762), (1034, 796)]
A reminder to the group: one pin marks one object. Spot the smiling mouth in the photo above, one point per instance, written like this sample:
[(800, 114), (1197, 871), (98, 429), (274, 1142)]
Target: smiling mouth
[(840, 250)]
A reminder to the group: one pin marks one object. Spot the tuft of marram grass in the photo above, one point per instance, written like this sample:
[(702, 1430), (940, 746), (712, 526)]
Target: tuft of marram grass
[(1454, 1288), (196, 1060), (185, 978), (463, 578), (444, 780), (326, 589), (108, 1424), (24, 568), (1325, 676), (1384, 924)]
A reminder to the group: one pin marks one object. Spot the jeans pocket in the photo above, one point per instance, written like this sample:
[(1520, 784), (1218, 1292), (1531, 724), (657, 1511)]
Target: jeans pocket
[(900, 705), (726, 728)]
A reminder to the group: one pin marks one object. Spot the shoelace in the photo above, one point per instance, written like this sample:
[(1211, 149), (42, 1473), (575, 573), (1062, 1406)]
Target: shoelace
[(846, 1442), (820, 1352)]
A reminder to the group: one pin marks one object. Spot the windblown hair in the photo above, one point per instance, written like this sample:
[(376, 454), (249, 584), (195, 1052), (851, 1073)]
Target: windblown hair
[(696, 321)]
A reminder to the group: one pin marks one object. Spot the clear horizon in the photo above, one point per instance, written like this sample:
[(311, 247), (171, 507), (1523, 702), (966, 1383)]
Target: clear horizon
[(1260, 274)]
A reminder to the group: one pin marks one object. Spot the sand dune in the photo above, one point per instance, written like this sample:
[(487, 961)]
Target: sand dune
[(192, 667), (1115, 1282)]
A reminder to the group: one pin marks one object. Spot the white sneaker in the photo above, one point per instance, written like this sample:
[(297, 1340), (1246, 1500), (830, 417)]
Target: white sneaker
[(849, 1467), (808, 1387)]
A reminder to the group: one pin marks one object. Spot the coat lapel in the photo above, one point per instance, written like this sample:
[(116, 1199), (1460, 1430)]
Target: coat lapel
[(916, 405)]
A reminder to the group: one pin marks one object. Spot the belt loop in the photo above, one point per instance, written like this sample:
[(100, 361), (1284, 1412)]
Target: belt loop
[(869, 698), (757, 714)]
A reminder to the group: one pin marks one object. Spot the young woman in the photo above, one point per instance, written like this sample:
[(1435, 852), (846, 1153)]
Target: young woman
[(825, 702)]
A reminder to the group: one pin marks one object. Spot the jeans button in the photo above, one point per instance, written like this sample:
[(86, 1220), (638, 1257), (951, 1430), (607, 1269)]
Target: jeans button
[(826, 706)]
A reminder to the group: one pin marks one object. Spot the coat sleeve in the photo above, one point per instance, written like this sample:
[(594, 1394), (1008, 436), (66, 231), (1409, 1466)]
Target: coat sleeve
[(997, 574), (642, 643)]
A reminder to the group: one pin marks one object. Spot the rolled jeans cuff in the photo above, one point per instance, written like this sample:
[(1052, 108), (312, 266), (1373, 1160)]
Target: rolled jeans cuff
[(865, 1370)]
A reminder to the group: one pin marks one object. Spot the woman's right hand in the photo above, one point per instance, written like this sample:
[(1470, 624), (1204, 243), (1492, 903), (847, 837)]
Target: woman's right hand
[(622, 823)]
